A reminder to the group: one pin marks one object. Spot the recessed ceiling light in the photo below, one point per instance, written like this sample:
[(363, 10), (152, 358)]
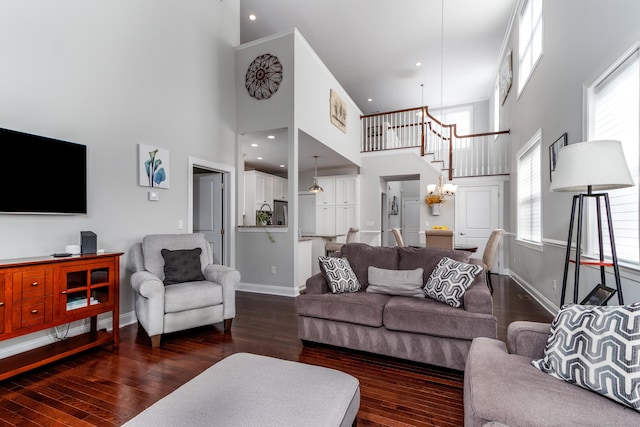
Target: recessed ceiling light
[(370, 99), (418, 64), (259, 158), (252, 17), (281, 166), (271, 136), (254, 145)]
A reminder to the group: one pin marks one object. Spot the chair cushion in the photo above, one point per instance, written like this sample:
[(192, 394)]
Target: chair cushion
[(449, 281), (597, 348), (339, 275), (190, 295), (357, 307), (396, 282), (182, 265)]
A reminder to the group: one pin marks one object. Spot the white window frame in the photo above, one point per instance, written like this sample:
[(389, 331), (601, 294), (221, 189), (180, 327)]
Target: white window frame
[(526, 40), (591, 249), (534, 145)]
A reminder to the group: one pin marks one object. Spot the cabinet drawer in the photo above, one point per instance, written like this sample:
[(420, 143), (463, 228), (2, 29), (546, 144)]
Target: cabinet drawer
[(33, 311), (32, 284)]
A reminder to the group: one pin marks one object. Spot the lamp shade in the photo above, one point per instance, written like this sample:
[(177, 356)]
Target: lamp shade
[(595, 165)]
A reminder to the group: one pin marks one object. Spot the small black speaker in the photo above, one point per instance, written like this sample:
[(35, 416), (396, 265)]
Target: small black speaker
[(88, 242)]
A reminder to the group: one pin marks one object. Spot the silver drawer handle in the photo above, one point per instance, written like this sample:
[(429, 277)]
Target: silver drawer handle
[(35, 283), (34, 311)]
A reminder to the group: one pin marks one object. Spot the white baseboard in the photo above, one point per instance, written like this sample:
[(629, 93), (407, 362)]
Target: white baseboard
[(257, 288), (535, 294)]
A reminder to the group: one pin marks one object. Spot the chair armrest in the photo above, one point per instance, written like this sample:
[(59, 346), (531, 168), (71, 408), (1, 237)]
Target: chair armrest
[(528, 338), (228, 278), (478, 298), (317, 284), (147, 285)]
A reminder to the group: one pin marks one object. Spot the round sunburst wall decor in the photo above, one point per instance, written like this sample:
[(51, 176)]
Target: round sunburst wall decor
[(264, 76)]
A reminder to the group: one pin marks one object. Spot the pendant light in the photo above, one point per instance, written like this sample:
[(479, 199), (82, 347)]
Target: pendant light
[(315, 188)]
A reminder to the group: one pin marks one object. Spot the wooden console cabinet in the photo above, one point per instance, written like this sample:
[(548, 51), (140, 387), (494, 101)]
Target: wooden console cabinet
[(44, 292)]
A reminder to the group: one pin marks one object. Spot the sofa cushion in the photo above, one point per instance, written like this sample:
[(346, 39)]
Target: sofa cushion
[(339, 275), (357, 307), (396, 282), (361, 256), (182, 265), (190, 295), (449, 281), (427, 316), (427, 258), (597, 348), (505, 388)]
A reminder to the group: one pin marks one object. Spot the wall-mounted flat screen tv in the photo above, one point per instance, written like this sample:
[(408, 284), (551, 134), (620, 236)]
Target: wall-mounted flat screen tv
[(41, 175)]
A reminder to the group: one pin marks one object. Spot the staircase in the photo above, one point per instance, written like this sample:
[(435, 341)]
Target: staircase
[(480, 154)]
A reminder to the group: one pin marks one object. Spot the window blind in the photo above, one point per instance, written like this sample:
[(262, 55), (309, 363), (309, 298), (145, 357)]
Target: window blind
[(529, 194), (615, 114)]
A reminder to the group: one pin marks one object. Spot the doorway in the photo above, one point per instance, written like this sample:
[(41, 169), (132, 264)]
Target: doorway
[(211, 201)]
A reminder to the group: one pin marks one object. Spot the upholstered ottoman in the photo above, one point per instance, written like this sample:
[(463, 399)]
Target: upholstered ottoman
[(250, 390)]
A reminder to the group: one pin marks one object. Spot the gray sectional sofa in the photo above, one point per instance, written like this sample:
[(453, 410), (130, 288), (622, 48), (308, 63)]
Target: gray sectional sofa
[(501, 387), (417, 329)]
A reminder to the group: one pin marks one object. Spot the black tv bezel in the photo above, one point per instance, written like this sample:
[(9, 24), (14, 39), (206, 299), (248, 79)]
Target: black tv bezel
[(80, 209)]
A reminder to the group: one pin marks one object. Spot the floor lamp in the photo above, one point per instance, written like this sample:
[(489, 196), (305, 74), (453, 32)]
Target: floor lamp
[(587, 167)]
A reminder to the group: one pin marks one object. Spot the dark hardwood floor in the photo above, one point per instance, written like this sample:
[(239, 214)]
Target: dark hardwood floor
[(106, 387)]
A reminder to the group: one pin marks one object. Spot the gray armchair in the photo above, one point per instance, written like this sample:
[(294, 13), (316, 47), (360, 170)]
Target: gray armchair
[(164, 304)]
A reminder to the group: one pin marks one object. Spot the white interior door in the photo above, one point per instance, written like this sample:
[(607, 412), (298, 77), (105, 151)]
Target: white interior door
[(411, 221), (477, 213), (208, 209)]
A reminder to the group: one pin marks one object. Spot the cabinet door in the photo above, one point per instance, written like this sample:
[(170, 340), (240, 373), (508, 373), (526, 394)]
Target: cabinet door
[(346, 191), (280, 190), (345, 219), (86, 288), (3, 302), (325, 220), (264, 190), (328, 196)]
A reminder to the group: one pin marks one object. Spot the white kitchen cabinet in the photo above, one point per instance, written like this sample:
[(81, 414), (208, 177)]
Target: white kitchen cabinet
[(280, 188), (328, 196), (326, 220), (346, 217), (346, 190)]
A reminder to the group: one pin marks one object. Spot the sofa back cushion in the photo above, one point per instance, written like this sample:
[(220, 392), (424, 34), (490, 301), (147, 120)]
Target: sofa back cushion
[(427, 258), (362, 256)]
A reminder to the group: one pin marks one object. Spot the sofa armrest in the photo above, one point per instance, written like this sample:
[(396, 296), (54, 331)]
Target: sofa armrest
[(478, 298), (317, 284), (528, 338)]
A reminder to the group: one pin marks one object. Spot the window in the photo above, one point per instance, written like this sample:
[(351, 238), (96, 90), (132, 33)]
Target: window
[(614, 113), (529, 40), (529, 192)]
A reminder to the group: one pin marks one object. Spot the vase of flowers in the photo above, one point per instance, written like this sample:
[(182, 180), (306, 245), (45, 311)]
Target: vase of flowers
[(434, 201)]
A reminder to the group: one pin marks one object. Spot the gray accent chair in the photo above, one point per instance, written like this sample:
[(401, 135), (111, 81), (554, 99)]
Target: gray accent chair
[(164, 308), (501, 387)]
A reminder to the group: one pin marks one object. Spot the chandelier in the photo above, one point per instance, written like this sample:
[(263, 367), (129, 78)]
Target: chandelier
[(437, 193)]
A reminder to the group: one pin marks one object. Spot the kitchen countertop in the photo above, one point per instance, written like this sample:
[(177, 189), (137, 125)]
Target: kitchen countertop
[(323, 236)]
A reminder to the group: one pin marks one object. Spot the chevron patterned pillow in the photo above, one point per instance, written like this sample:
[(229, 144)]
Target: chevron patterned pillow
[(339, 274), (597, 348), (449, 281)]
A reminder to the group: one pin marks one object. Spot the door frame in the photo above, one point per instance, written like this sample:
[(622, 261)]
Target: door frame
[(229, 214)]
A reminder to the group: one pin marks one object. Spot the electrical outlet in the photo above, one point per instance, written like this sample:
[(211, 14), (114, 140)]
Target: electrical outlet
[(273, 269), (555, 285)]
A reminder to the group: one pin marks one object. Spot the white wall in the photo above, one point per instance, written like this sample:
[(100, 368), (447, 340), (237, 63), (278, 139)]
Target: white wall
[(581, 38), (110, 75)]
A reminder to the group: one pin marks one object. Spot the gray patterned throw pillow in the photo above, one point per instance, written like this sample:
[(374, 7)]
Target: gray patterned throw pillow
[(449, 281), (339, 274), (597, 348)]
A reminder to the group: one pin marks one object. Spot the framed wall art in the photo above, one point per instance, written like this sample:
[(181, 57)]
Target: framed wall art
[(554, 150), (506, 77), (153, 166), (338, 111)]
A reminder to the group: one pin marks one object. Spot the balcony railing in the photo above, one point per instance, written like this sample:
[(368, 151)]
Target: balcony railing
[(479, 154)]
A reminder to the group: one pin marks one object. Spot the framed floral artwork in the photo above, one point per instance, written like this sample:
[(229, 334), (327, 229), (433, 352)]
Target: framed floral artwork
[(153, 166), (506, 77)]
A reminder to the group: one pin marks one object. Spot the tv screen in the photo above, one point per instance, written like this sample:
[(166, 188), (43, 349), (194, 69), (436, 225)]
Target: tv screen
[(42, 175)]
